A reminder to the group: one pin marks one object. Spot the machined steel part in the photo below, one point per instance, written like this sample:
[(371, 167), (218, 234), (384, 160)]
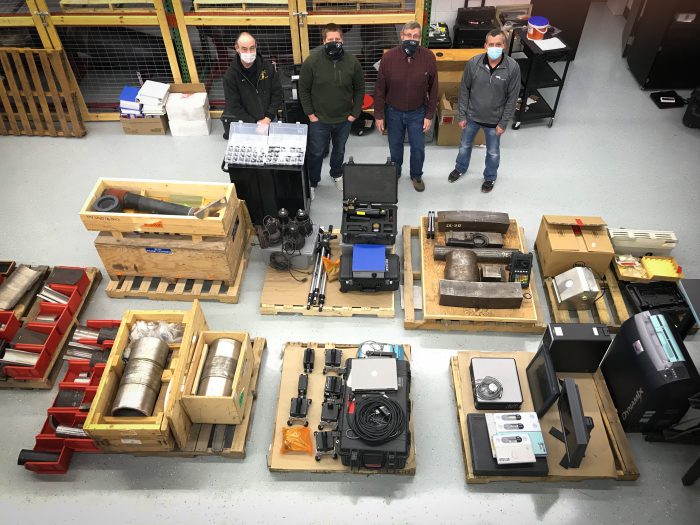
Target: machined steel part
[(16, 285), (83, 332), (70, 432), (140, 385), (220, 368), (52, 296), (462, 265), (484, 255)]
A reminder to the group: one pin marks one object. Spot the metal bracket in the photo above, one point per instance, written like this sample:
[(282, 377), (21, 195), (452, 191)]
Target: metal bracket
[(43, 15), (301, 15)]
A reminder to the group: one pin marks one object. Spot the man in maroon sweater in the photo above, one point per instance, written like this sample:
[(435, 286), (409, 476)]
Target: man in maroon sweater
[(405, 98)]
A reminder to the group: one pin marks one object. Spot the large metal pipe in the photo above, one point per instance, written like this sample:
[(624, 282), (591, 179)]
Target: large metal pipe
[(485, 255), (140, 384), (220, 368)]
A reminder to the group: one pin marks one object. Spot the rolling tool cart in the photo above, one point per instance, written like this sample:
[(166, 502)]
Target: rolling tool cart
[(536, 73)]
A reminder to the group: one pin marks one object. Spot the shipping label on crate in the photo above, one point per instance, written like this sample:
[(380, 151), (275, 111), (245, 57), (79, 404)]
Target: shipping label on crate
[(165, 251)]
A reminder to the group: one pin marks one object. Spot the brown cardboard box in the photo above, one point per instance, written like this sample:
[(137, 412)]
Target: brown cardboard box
[(565, 241), (448, 131), (145, 125), (450, 66)]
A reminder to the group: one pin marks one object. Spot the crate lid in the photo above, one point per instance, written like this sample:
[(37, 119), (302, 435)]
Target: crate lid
[(370, 183)]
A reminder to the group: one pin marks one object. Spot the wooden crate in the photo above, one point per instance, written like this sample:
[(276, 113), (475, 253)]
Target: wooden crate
[(106, 6), (169, 425), (176, 257), (219, 410), (228, 441), (37, 96), (527, 318), (292, 366), (240, 5), (283, 294), (609, 309), (217, 225), (608, 456), (29, 314)]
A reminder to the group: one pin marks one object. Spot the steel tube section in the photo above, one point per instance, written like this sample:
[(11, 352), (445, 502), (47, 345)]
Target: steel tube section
[(140, 385), (220, 368)]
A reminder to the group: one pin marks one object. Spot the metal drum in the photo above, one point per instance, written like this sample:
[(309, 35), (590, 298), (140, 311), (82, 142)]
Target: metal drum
[(140, 384), (219, 368)]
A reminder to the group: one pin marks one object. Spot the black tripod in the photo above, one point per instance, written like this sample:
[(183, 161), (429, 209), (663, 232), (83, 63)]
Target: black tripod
[(319, 278)]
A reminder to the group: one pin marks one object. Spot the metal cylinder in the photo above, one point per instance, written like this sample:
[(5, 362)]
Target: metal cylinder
[(462, 266), (140, 384), (219, 368), (485, 255)]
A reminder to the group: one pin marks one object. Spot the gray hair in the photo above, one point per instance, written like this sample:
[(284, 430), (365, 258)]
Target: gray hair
[(496, 32), (410, 25)]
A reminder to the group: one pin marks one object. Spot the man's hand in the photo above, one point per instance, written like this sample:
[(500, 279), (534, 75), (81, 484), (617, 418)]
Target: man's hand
[(313, 118), (499, 131), (265, 121), (351, 118), (380, 125), (462, 124), (426, 124)]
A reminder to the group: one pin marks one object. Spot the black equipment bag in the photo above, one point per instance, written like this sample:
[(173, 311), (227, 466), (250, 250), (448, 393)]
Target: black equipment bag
[(691, 118)]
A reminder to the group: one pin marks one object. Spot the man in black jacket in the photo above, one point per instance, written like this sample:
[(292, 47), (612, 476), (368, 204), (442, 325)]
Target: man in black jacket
[(252, 87)]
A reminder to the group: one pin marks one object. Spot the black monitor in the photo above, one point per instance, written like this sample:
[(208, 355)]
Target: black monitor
[(544, 387), (575, 426)]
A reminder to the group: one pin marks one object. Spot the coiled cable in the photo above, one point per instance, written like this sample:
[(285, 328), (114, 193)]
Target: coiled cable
[(377, 419)]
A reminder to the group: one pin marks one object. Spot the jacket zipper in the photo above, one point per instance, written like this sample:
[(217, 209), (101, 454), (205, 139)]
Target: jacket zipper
[(255, 87)]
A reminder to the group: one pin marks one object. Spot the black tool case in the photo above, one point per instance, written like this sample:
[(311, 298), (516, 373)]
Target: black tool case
[(393, 455), (370, 194)]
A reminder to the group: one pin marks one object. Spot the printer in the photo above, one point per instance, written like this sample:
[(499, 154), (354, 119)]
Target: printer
[(649, 373)]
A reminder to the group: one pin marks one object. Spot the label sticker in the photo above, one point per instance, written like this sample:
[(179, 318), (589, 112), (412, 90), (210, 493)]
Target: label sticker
[(131, 441), (166, 251), (595, 331), (558, 331)]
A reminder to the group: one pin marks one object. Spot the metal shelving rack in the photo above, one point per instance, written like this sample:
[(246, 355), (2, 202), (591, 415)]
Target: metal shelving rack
[(536, 73)]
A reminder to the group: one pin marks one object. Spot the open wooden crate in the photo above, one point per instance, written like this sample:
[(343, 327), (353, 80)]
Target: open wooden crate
[(608, 456), (169, 425), (216, 225)]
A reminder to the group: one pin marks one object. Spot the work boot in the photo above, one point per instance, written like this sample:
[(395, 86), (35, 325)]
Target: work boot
[(454, 176), (418, 184), (487, 186), (338, 183)]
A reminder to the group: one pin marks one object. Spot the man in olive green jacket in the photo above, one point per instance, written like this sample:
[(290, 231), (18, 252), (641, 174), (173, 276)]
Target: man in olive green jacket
[(331, 90)]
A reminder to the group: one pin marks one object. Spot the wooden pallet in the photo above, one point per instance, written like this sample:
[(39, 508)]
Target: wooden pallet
[(203, 6), (102, 6), (227, 441), (283, 294), (27, 107), (359, 5), (609, 455), (292, 366), (610, 309), (47, 381), (528, 318), (162, 289)]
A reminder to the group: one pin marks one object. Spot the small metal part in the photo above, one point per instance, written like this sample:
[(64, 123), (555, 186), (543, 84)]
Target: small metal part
[(325, 444), (330, 414), (334, 358), (303, 385), (52, 296), (492, 273), (309, 358), (140, 384), (65, 431), (107, 204), (83, 332), (205, 211), (46, 318), (431, 225), (333, 387), (298, 411)]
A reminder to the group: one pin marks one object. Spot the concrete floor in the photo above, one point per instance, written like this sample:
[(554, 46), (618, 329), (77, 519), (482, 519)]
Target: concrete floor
[(611, 152)]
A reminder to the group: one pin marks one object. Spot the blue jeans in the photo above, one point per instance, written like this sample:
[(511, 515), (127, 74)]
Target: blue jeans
[(319, 134), (493, 150), (396, 123)]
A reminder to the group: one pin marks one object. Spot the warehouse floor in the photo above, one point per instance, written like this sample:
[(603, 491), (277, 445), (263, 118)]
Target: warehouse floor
[(611, 152)]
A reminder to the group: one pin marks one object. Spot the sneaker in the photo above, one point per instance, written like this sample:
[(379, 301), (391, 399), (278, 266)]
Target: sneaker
[(312, 193), (418, 184), (338, 183), (454, 176), (487, 186)]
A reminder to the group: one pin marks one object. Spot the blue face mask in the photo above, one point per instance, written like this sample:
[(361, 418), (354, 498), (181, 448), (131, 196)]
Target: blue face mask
[(494, 53)]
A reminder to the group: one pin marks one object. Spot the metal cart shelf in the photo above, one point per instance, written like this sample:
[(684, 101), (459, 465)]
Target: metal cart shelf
[(536, 73)]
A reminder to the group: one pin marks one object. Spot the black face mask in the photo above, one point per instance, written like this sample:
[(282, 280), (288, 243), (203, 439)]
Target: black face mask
[(410, 47), (334, 50)]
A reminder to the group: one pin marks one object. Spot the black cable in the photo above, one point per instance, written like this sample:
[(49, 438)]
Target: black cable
[(488, 388), (282, 262), (377, 419)]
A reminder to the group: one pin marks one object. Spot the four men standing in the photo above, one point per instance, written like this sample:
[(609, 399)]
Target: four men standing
[(331, 92)]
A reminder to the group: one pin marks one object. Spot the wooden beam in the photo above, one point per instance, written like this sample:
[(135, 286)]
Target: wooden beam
[(185, 39), (361, 18), (236, 20), (103, 117), (16, 21), (105, 20)]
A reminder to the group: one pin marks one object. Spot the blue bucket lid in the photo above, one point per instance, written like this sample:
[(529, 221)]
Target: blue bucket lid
[(538, 21)]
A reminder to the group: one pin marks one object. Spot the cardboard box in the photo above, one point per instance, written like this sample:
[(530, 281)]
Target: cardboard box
[(448, 131), (565, 241), (213, 409), (450, 66), (145, 125)]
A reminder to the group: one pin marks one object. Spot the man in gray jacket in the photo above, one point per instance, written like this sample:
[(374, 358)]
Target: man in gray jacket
[(490, 87)]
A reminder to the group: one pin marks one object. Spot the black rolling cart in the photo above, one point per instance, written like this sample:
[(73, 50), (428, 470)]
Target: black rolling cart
[(536, 73)]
